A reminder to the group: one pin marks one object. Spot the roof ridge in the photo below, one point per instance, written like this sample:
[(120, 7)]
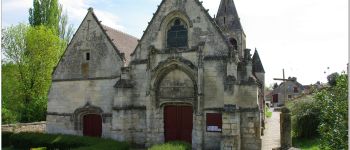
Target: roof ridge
[(121, 32)]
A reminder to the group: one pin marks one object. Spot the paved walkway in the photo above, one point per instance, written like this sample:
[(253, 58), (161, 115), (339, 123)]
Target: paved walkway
[(271, 138)]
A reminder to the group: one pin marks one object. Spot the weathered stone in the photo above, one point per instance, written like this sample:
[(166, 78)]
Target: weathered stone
[(286, 129), (212, 72)]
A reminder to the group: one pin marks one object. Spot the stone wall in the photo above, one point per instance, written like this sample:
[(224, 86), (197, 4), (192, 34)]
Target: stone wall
[(231, 131), (25, 127)]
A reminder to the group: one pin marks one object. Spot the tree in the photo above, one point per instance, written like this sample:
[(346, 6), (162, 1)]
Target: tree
[(13, 43), (11, 94), (332, 79), (334, 114), (49, 13), (34, 52), (41, 57)]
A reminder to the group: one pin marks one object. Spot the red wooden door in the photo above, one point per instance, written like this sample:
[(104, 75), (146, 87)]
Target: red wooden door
[(92, 125), (178, 123)]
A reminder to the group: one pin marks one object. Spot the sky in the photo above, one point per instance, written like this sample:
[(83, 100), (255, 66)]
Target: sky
[(307, 38)]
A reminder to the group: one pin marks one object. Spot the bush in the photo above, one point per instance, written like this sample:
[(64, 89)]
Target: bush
[(334, 114), (305, 117), (63, 142), (176, 145), (5, 139)]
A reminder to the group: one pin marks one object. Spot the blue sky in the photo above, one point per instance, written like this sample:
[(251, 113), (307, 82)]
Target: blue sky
[(302, 36)]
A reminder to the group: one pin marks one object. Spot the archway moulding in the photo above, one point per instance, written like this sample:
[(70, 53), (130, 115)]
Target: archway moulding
[(79, 114)]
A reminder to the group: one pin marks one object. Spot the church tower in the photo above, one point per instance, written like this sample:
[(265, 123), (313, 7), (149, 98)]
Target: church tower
[(228, 20)]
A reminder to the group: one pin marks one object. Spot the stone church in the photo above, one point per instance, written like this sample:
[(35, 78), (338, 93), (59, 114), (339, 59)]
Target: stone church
[(190, 78)]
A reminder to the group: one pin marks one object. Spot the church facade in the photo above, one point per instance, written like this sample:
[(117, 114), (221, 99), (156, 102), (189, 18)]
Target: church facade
[(190, 78)]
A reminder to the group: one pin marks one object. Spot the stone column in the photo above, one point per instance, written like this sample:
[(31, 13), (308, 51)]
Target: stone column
[(286, 129)]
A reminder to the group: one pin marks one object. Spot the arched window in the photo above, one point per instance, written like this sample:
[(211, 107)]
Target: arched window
[(234, 43), (177, 34)]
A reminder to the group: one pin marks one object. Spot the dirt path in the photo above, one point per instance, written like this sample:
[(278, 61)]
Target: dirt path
[(271, 138)]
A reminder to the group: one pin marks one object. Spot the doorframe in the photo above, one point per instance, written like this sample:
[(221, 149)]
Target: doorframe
[(79, 113), (162, 108)]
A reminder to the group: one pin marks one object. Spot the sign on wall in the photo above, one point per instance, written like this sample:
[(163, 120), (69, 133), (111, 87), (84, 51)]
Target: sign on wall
[(214, 122)]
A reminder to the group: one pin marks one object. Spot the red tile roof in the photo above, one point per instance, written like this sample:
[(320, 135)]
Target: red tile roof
[(124, 42)]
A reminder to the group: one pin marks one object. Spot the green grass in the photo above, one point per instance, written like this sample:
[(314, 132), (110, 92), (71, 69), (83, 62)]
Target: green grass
[(11, 148), (306, 144), (176, 145), (58, 141), (268, 113)]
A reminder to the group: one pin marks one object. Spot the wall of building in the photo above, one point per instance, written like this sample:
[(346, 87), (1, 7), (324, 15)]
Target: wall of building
[(66, 97), (104, 61)]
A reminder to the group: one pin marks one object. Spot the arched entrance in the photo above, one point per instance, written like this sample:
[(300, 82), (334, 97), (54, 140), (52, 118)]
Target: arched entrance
[(178, 123), (177, 93), (92, 125)]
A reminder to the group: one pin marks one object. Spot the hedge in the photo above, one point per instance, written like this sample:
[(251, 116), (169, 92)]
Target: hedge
[(62, 142), (5, 139), (305, 117)]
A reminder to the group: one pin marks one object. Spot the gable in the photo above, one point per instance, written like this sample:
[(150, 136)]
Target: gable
[(201, 28), (90, 54)]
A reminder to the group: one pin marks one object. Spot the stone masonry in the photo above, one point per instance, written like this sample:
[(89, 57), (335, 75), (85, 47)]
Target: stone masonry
[(187, 67)]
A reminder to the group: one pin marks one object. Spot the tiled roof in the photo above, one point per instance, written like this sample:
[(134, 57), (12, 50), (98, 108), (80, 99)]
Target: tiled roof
[(124, 42)]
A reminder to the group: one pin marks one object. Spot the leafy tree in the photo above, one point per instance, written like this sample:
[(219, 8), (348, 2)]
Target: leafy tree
[(13, 43), (45, 12), (332, 79), (49, 13), (10, 94), (34, 52), (41, 56), (334, 114), (275, 86)]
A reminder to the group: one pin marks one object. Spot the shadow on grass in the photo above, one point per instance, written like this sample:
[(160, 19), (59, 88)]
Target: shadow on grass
[(306, 144)]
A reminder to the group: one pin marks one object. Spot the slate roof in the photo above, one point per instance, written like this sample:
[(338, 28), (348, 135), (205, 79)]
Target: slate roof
[(257, 64), (227, 9), (125, 43)]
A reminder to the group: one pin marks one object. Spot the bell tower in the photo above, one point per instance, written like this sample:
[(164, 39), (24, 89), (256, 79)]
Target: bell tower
[(228, 20)]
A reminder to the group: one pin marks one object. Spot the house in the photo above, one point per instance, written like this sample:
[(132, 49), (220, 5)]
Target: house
[(190, 78), (287, 90)]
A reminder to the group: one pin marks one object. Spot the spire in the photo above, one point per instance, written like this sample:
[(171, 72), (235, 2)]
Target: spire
[(257, 65), (227, 16)]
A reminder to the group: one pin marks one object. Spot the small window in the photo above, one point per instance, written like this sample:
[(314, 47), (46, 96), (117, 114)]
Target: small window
[(177, 34), (296, 90), (87, 56), (214, 122), (289, 96), (234, 43)]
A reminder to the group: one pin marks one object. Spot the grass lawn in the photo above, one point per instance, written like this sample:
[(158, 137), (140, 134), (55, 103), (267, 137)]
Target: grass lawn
[(10, 148), (307, 144), (268, 112), (176, 145)]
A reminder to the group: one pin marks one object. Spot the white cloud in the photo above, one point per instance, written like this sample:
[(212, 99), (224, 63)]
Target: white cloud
[(15, 11), (77, 9), (109, 19)]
